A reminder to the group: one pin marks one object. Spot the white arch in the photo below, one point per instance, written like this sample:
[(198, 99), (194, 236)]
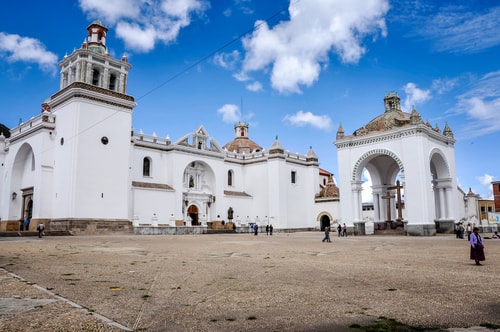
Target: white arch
[(357, 170)]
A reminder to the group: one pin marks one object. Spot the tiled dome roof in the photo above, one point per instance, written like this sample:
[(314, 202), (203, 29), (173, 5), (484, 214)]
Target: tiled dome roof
[(242, 144)]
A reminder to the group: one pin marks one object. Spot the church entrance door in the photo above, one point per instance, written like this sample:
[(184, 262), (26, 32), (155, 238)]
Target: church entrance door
[(193, 213), (324, 222)]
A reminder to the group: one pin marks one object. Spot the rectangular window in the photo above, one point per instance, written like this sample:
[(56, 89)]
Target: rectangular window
[(294, 176), (483, 209), (490, 209)]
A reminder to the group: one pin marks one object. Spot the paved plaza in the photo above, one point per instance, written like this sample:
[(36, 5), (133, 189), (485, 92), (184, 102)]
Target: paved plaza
[(242, 282)]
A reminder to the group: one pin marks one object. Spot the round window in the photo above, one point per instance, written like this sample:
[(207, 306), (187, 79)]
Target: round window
[(104, 140)]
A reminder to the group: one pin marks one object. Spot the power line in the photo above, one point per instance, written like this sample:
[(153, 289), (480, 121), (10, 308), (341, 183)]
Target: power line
[(209, 55)]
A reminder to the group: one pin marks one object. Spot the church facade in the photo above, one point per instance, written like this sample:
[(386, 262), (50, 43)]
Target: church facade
[(78, 166)]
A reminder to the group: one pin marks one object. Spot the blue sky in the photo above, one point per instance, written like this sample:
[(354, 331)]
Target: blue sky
[(292, 69)]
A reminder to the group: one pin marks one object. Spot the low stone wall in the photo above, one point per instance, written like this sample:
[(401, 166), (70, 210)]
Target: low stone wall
[(170, 230)]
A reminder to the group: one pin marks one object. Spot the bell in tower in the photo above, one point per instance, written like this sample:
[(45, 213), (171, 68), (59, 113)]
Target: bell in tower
[(96, 40), (241, 130), (92, 65), (392, 102)]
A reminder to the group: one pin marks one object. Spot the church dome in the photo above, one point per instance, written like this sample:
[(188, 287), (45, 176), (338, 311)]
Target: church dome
[(391, 118), (241, 142)]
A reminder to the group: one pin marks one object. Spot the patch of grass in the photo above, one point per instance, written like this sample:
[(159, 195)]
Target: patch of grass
[(231, 319), (213, 320), (115, 288), (67, 274), (384, 324), (146, 296), (490, 326), (251, 318)]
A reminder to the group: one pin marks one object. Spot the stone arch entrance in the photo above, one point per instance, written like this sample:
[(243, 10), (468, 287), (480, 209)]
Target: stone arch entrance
[(198, 187), (22, 184), (386, 172), (399, 146), (324, 222)]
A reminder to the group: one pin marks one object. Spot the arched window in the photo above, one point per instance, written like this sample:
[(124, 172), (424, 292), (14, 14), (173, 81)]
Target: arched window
[(96, 77), (112, 82), (146, 166), (230, 178)]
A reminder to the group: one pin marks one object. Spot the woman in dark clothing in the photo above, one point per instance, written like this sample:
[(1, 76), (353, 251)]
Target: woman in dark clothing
[(476, 246)]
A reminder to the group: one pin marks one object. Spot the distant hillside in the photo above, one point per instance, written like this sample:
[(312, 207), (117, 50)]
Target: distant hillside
[(4, 130)]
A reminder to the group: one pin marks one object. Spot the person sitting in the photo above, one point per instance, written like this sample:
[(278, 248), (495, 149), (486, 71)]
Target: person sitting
[(495, 236)]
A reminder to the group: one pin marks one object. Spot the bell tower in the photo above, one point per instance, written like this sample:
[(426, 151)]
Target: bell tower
[(392, 102), (92, 136), (92, 64)]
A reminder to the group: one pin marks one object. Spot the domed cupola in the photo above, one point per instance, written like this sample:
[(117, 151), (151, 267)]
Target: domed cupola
[(241, 142)]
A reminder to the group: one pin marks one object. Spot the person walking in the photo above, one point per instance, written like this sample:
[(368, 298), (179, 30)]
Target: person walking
[(267, 229), (344, 230), (327, 235), (476, 246), (40, 228), (271, 229), (339, 230)]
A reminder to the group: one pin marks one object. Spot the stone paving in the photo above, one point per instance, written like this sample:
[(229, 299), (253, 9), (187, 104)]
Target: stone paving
[(242, 282)]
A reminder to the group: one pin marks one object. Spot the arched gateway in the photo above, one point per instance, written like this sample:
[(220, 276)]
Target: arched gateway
[(412, 169)]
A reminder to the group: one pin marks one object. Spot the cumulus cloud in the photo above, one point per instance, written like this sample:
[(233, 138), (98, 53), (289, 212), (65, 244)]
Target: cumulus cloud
[(296, 50), (230, 113), (16, 48), (302, 118), (414, 96), (141, 24), (485, 181), (481, 104)]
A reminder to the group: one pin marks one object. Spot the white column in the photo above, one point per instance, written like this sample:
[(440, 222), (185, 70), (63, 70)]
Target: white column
[(449, 214), (78, 72), (442, 203), (356, 200)]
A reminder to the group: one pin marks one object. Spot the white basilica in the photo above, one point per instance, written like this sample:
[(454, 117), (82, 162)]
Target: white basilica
[(78, 166)]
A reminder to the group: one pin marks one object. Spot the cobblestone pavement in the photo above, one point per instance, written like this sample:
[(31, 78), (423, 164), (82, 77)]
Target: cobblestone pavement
[(242, 282)]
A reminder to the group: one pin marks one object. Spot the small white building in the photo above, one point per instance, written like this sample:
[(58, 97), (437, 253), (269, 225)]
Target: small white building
[(78, 166)]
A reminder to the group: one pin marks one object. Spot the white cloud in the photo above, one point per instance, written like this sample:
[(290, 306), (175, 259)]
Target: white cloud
[(141, 24), (443, 85), (227, 60), (366, 193), (459, 30), (414, 96), (295, 50), (230, 113), (139, 38), (302, 118), (255, 87), (481, 104), (485, 181), (24, 49), (111, 10)]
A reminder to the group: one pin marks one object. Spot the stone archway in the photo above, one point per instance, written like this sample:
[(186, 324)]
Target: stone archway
[(399, 145), (324, 222)]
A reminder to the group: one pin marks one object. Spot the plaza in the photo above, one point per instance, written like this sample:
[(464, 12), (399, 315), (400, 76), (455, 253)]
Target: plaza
[(243, 282)]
